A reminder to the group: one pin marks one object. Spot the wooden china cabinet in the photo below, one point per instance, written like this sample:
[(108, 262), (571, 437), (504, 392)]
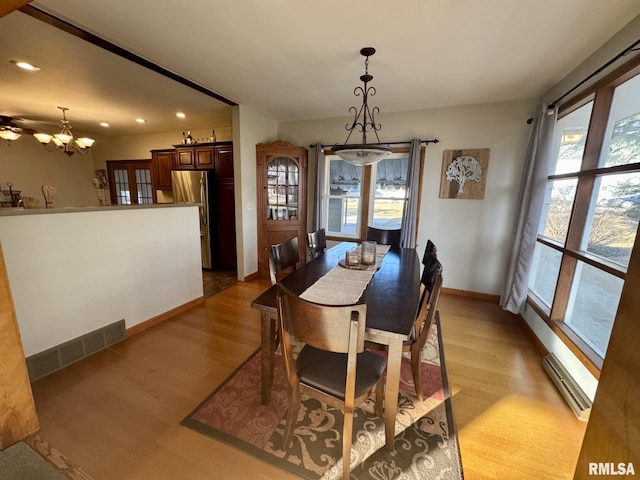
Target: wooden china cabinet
[(282, 198)]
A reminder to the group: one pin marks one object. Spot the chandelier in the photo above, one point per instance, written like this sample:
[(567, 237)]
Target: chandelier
[(364, 120), (64, 141)]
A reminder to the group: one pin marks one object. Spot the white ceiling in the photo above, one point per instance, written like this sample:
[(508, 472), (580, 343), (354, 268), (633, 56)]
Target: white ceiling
[(293, 59)]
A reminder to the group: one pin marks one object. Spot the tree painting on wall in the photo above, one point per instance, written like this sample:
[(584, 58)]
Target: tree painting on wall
[(464, 173)]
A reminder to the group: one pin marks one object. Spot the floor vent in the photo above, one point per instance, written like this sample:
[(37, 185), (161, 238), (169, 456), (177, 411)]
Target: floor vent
[(572, 393), (51, 360)]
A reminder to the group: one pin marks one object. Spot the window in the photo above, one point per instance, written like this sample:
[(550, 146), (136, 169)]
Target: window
[(130, 182), (590, 217), (356, 197)]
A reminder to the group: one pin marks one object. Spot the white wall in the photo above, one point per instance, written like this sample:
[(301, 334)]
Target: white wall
[(249, 129), (27, 165), (472, 236), (71, 273)]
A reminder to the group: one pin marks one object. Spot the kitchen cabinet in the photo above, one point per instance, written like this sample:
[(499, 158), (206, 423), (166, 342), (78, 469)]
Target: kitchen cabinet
[(205, 156), (281, 178), (161, 165)]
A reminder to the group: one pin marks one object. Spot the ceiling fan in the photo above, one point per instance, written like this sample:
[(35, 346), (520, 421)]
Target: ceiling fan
[(10, 131)]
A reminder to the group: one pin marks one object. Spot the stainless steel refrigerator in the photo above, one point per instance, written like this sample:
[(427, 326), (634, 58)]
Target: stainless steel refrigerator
[(196, 186)]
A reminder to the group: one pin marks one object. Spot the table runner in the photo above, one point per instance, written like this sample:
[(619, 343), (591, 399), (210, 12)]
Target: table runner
[(342, 286)]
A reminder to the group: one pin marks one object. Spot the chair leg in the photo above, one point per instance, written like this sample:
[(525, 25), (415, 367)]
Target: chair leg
[(380, 395), (416, 371), (347, 438), (292, 416)]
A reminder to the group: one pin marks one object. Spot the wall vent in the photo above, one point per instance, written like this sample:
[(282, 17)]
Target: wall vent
[(45, 363), (572, 393)]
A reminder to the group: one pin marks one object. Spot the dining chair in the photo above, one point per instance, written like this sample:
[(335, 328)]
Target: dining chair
[(422, 328), (282, 256), (429, 249), (384, 236), (316, 243), (428, 277), (332, 366), (420, 333)]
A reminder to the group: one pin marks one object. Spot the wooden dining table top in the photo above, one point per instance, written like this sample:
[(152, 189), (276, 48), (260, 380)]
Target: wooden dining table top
[(391, 296)]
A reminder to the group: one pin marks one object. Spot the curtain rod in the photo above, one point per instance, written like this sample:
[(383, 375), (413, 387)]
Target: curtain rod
[(427, 142), (625, 52)]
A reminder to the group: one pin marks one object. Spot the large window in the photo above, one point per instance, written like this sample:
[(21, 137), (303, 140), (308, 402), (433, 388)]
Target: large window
[(590, 218), (356, 197)]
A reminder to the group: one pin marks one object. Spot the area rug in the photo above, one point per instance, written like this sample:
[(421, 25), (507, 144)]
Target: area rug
[(426, 445)]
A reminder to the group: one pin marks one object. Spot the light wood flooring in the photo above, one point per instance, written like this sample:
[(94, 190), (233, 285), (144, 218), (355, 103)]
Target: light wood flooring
[(117, 414)]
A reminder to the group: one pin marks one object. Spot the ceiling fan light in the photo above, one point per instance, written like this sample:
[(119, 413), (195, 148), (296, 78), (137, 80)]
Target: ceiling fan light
[(43, 138), (362, 154), (9, 135)]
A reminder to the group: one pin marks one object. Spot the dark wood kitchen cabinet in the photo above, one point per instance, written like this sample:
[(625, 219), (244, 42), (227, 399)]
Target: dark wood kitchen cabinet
[(161, 165), (198, 157)]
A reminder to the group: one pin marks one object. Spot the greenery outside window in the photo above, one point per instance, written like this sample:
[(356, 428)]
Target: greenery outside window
[(589, 222)]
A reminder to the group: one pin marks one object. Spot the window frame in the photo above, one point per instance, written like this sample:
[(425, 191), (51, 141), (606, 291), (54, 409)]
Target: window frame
[(601, 93), (367, 194)]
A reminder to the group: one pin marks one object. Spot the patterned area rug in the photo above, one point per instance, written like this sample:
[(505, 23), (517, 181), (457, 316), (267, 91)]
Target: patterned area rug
[(426, 445)]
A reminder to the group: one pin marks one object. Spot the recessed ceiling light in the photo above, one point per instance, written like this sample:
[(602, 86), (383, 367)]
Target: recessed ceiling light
[(104, 124), (180, 115), (25, 65), (141, 120)]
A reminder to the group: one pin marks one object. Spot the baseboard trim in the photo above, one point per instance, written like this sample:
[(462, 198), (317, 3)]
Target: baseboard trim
[(141, 327), (253, 276), (466, 293)]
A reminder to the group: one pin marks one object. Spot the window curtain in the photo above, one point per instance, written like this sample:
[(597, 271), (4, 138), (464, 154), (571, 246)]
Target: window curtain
[(529, 207), (409, 216), (318, 204)]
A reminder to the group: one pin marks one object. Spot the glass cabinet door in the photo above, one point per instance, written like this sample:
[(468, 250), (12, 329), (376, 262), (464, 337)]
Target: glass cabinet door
[(282, 189)]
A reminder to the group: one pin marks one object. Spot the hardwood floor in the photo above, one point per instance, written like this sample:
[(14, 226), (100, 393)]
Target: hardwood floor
[(117, 414)]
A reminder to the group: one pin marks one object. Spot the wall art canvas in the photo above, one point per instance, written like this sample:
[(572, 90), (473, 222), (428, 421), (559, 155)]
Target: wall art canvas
[(464, 173)]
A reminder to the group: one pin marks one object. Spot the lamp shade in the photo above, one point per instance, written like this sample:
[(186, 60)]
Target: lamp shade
[(362, 154), (85, 142), (42, 137), (9, 135)]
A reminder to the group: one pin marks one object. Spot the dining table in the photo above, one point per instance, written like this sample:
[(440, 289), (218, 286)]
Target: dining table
[(391, 297)]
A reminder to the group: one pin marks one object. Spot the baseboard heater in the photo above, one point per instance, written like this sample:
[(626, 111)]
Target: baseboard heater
[(55, 358), (572, 393)]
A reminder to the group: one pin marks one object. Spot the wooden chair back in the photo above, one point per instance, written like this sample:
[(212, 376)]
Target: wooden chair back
[(428, 309), (428, 277), (316, 243), (282, 256), (430, 249), (384, 237)]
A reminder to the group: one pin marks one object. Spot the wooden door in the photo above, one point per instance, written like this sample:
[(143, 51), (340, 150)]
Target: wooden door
[(131, 182), (282, 195), (18, 417)]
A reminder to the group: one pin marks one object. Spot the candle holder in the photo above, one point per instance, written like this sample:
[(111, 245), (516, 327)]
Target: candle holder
[(369, 253), (352, 258)]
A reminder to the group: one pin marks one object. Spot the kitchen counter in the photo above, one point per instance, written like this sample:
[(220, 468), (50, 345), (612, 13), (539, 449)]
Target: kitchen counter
[(108, 208)]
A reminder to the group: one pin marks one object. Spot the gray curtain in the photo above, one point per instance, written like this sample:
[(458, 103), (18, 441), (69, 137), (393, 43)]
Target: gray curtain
[(528, 210), (318, 205), (409, 220)]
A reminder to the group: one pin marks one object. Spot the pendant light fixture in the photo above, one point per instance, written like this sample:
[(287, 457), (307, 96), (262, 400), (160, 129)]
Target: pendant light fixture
[(364, 120), (64, 141)]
